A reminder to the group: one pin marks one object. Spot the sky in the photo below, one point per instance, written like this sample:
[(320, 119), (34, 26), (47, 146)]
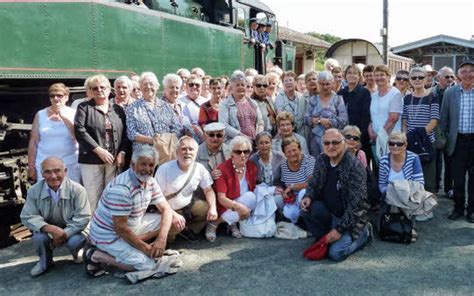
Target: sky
[(409, 20)]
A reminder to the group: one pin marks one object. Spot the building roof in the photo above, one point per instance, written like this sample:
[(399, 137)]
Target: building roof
[(258, 5), (433, 40), (297, 37), (377, 46)]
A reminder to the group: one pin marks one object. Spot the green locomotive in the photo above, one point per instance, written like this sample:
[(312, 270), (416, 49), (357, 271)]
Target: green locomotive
[(43, 42)]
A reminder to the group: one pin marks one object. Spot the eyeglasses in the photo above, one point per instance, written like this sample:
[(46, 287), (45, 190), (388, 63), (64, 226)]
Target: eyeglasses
[(194, 85), (333, 143), (239, 152), (351, 137), (396, 144), (449, 77), (261, 85), (324, 84), (215, 135), (417, 77), (49, 172), (60, 96), (97, 88), (402, 79)]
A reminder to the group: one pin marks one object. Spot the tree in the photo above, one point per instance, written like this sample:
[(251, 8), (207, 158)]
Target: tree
[(320, 53)]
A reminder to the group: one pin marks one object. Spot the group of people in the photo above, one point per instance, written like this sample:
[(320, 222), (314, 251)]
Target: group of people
[(319, 146)]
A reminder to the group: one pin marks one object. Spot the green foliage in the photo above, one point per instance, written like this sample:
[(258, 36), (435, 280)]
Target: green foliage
[(319, 59), (326, 37)]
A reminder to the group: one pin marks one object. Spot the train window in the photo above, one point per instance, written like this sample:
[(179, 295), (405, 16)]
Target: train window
[(240, 18)]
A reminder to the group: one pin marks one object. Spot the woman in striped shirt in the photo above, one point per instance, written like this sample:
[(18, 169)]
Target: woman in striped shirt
[(421, 114), (296, 172), (399, 164)]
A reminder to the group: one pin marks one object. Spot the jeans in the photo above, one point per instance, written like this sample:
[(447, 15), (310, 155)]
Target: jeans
[(320, 221), (43, 246)]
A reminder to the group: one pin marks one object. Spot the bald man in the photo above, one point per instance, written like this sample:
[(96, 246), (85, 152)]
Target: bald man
[(335, 202), (56, 211)]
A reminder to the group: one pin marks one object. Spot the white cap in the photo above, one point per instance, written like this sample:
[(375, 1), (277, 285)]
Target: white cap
[(214, 127)]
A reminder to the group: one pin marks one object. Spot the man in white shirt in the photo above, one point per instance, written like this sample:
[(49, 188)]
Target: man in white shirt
[(179, 179)]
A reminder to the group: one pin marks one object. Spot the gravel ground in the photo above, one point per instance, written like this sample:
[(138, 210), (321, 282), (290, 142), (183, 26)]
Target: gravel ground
[(441, 262)]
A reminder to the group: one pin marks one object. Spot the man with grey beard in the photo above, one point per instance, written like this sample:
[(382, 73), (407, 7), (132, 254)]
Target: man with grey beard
[(121, 229), (179, 179)]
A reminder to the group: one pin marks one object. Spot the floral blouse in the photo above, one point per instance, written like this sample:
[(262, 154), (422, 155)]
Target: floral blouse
[(147, 121)]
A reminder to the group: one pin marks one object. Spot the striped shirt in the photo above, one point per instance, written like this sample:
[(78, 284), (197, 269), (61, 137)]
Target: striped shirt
[(123, 196), (418, 112), (411, 169), (466, 116), (300, 176)]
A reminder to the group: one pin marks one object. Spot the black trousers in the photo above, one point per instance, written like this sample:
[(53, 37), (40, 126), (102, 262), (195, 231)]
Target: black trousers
[(443, 157), (462, 162)]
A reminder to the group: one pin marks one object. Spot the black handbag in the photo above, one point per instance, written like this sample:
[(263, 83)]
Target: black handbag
[(396, 227)]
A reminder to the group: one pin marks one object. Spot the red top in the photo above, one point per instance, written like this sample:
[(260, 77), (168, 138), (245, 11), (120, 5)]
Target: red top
[(207, 114), (229, 182)]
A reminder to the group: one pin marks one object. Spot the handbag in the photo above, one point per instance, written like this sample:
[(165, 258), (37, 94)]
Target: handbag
[(249, 228), (396, 227), (166, 146), (440, 139), (318, 250)]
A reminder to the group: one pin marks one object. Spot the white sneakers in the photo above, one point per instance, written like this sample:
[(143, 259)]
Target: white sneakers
[(424, 217)]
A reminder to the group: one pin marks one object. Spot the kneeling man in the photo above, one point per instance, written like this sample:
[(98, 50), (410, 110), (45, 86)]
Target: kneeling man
[(56, 211), (120, 228), (336, 199), (179, 179)]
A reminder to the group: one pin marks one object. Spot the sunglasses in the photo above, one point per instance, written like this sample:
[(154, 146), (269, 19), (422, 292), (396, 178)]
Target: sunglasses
[(261, 85), (333, 143), (215, 135), (194, 85), (351, 137), (52, 96), (417, 77), (402, 79), (97, 88), (395, 144), (448, 77), (240, 152)]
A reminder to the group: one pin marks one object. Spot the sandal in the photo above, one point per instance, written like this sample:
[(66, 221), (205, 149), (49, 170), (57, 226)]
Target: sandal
[(211, 229), (93, 269), (234, 231)]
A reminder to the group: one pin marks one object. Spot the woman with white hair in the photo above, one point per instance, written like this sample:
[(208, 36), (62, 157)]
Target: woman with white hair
[(123, 88), (172, 84), (235, 186), (150, 117), (326, 110), (240, 114)]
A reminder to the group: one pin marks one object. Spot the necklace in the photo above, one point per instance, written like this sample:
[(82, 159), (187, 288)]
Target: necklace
[(237, 169)]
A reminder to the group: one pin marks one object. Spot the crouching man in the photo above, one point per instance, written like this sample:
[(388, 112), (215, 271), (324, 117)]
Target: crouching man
[(179, 180), (336, 199), (121, 229), (56, 211)]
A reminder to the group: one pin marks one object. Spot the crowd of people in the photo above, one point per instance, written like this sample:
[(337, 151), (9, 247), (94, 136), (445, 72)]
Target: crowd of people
[(119, 177)]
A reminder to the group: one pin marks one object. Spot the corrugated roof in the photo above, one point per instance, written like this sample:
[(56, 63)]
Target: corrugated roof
[(433, 40), (295, 36)]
